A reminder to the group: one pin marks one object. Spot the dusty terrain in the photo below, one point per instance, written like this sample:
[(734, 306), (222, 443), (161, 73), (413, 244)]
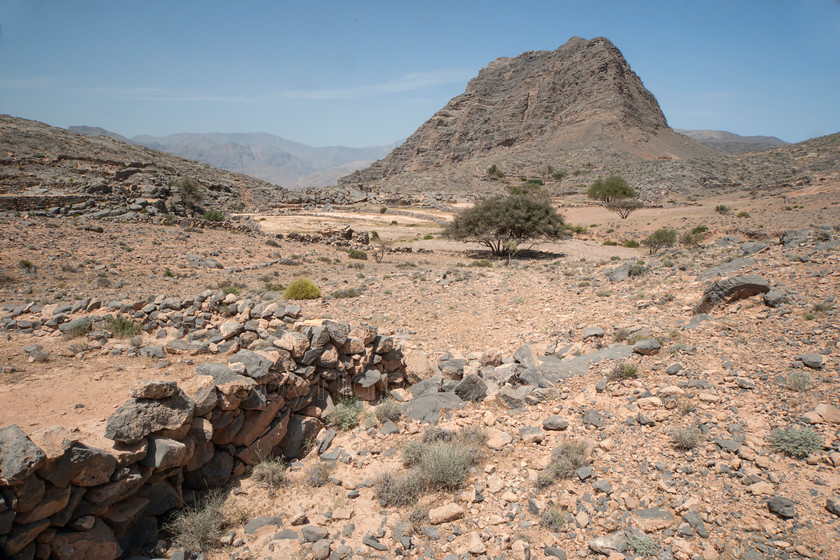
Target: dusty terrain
[(438, 299)]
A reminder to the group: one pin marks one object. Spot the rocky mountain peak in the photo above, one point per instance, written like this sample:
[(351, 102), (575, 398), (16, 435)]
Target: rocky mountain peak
[(583, 87)]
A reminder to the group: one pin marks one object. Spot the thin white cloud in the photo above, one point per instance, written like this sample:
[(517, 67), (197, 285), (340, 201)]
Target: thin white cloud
[(410, 82)]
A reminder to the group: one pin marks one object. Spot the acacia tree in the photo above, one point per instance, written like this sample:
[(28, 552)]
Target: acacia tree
[(503, 222), (615, 194), (663, 237)]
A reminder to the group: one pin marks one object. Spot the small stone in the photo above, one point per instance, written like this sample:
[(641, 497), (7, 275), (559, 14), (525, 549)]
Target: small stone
[(555, 423), (313, 533), (445, 513), (781, 506)]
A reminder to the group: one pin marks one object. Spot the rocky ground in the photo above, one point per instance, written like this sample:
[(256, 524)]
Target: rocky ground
[(745, 368)]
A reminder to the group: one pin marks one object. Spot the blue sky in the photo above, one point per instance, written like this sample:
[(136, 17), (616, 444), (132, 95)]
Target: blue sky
[(367, 73)]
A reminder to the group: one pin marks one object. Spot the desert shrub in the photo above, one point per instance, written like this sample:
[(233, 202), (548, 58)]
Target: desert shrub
[(383, 209), (621, 334), (687, 437), (624, 370), (40, 356), (199, 526), (663, 237), (494, 172), (79, 347), (742, 214), (822, 307), (798, 381), (722, 209), (357, 254), (388, 410), (609, 243), (558, 175), (76, 332), (273, 286), (395, 489), (190, 190), (642, 544), (795, 442), (270, 472), (302, 288), (346, 293), (168, 273), (214, 216), (631, 244), (685, 406), (26, 266), (121, 326), (565, 460), (502, 222), (319, 474), (553, 518), (428, 236), (637, 269), (345, 414), (482, 263)]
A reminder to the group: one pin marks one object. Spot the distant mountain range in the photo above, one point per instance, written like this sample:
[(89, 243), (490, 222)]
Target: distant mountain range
[(261, 155), (730, 143)]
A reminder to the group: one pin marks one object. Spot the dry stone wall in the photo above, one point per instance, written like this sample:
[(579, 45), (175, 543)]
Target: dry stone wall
[(62, 498)]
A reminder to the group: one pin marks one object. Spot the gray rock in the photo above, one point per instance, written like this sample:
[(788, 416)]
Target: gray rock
[(427, 408), (644, 420), (555, 423), (153, 389), (554, 552), (428, 386), (592, 417), (607, 544), (213, 474), (368, 378), (329, 436), (585, 472), (256, 366), (832, 504), (593, 332), (813, 361), (673, 369), (781, 506), (313, 533), (300, 430), (80, 325), (165, 453), (730, 289), (321, 549), (19, 457), (513, 398), (153, 351), (389, 428), (137, 418), (726, 268), (647, 347), (471, 388), (693, 518), (264, 521), (285, 534), (601, 386), (602, 486), (370, 540), (531, 434), (775, 298), (525, 355)]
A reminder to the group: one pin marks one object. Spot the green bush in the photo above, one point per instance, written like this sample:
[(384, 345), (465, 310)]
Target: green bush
[(624, 370), (383, 209), (122, 327), (357, 254), (428, 236), (190, 189), (565, 460), (609, 243), (722, 209), (302, 288), (610, 189), (214, 216), (798, 381), (553, 518), (345, 414), (502, 222), (642, 544), (558, 175), (346, 293), (663, 237), (482, 263), (795, 442), (394, 489), (199, 527), (270, 472), (742, 214), (631, 244)]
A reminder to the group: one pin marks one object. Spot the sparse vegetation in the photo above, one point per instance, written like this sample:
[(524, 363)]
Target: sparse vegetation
[(795, 442), (214, 216), (643, 545), (610, 189), (357, 254), (494, 172), (302, 288), (26, 266), (663, 237), (121, 326), (722, 209), (565, 460), (624, 370), (345, 415), (319, 474), (200, 526), (190, 190), (687, 437), (388, 410), (270, 472), (798, 381), (742, 214), (346, 293), (553, 518), (631, 244)]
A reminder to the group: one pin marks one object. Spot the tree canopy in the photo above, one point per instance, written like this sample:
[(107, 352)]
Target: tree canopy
[(611, 188), (502, 222)]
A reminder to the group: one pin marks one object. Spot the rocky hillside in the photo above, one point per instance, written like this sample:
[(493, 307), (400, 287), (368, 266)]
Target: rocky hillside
[(730, 143), (47, 167), (568, 116)]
